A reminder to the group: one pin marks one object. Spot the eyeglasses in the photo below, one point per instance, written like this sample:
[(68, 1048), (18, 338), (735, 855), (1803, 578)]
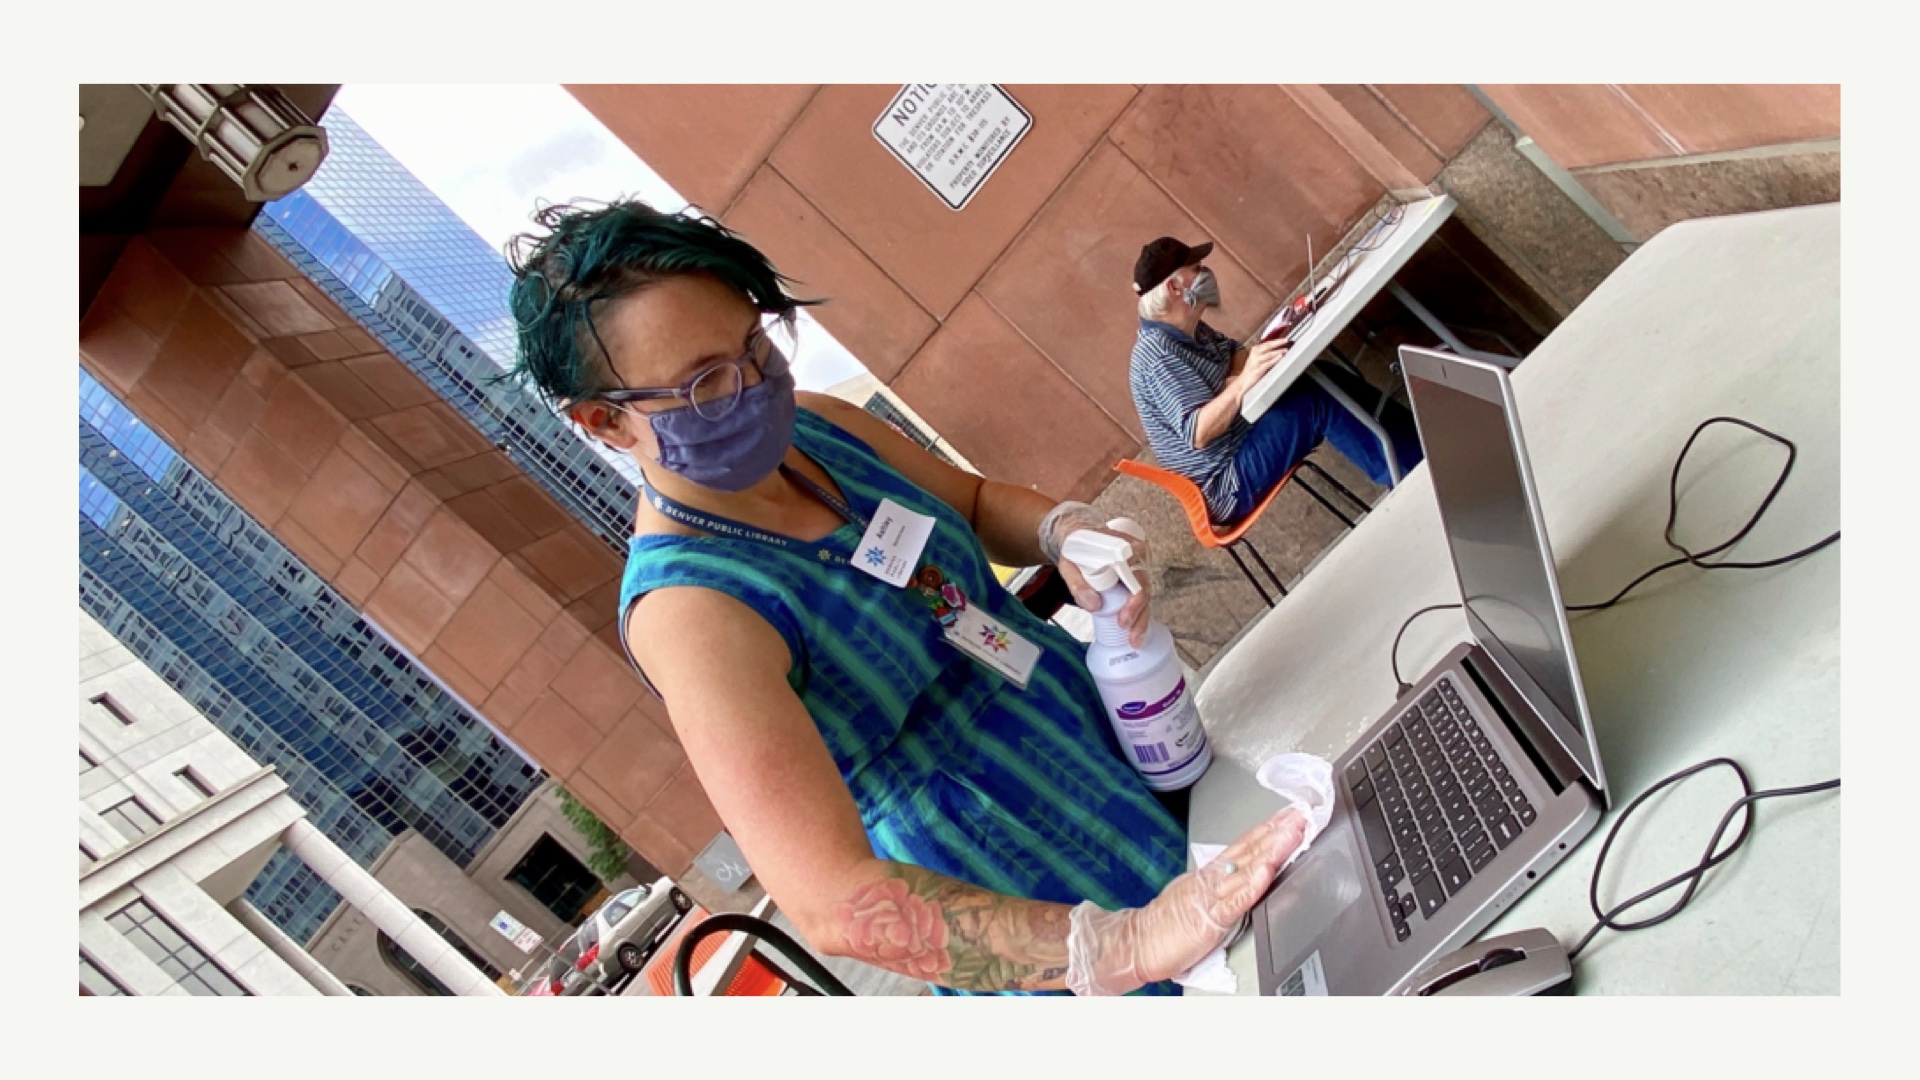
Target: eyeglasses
[(714, 390)]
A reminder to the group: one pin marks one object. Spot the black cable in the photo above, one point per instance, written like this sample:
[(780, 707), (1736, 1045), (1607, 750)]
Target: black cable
[(1376, 233), (1673, 515), (1369, 241), (1686, 556), (1709, 859), (1713, 856), (1375, 236), (1393, 655)]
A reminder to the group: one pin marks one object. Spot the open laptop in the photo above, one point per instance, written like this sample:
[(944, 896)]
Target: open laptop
[(1487, 773)]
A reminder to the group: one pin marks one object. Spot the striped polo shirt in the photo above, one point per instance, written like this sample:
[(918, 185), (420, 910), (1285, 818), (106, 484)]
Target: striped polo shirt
[(1173, 374)]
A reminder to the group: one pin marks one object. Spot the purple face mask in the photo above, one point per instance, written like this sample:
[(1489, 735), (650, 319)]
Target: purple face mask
[(741, 448)]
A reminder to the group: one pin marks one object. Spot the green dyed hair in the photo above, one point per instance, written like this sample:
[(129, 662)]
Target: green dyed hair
[(596, 252)]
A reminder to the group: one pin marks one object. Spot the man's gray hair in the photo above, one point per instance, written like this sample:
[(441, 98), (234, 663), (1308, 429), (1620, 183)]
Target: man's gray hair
[(1155, 302)]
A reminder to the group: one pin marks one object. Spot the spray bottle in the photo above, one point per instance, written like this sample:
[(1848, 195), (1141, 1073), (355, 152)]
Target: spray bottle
[(1145, 690)]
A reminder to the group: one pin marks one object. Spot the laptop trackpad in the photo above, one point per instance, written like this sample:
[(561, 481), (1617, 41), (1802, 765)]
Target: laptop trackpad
[(1313, 895)]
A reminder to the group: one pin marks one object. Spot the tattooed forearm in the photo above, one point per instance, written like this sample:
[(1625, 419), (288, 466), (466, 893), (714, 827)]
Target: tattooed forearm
[(931, 927)]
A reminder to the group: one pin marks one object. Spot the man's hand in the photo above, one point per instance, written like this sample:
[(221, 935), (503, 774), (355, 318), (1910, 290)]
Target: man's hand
[(1261, 359), (1216, 416)]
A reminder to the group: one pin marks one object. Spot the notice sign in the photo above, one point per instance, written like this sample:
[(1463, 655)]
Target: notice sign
[(952, 135), (513, 930)]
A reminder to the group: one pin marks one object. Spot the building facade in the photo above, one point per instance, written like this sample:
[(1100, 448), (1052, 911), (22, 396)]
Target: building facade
[(368, 743), (380, 244), (402, 223), (534, 869), (238, 364), (175, 821)]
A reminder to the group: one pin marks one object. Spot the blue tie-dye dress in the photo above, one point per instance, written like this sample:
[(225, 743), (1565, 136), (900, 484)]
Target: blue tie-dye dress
[(954, 769)]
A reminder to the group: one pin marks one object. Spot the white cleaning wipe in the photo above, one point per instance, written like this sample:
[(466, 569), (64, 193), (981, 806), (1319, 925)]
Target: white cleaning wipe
[(1306, 783), (1211, 973)]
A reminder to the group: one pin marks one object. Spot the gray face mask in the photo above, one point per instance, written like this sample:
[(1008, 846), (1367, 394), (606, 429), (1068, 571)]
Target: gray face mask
[(1204, 292)]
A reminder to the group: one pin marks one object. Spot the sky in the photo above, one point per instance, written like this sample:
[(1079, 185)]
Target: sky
[(492, 153)]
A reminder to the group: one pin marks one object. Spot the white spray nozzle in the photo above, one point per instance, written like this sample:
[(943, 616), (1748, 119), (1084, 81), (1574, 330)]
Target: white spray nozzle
[(1102, 557)]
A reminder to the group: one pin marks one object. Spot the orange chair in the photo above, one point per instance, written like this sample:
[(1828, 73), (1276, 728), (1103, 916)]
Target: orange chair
[(754, 979), (1230, 537), (758, 976)]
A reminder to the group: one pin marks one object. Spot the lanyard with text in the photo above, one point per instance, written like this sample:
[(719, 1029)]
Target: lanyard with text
[(719, 526), (890, 549)]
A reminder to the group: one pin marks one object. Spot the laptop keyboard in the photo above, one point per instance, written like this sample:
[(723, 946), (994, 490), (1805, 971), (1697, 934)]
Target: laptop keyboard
[(1437, 804)]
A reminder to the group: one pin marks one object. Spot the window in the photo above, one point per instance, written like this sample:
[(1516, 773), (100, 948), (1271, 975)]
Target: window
[(132, 818), (887, 411), (453, 938), (87, 857), (617, 908), (416, 972), (181, 959), (555, 878), (87, 762), (879, 406), (360, 991), (114, 709), (192, 779), (97, 983)]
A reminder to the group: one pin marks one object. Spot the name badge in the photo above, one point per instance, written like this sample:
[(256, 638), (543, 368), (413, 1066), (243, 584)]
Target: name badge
[(891, 546), (989, 641)]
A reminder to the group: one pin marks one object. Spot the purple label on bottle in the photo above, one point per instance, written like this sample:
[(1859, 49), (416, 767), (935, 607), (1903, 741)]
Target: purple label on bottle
[(1140, 710)]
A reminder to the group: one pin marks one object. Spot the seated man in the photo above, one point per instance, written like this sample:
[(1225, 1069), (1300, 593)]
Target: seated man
[(1188, 381)]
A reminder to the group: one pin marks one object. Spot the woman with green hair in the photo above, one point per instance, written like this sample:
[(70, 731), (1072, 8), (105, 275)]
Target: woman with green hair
[(918, 769)]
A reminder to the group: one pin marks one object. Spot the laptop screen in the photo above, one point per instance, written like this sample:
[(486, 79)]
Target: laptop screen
[(1483, 501)]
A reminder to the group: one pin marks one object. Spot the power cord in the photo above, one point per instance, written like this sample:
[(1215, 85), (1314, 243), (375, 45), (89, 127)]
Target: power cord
[(1673, 514), (1371, 240), (1393, 655), (1713, 856), (1708, 860), (1686, 557)]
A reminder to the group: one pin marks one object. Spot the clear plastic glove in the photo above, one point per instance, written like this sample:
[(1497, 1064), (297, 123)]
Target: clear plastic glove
[(1075, 516), (1115, 952)]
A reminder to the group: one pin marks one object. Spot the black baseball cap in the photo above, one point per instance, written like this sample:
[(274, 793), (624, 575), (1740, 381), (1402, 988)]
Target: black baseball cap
[(1159, 260)]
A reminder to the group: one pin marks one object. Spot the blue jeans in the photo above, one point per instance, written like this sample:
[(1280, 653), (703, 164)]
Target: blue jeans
[(1304, 416)]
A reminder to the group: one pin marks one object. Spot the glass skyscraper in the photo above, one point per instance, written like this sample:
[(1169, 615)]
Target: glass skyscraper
[(429, 289), (400, 220), (366, 740)]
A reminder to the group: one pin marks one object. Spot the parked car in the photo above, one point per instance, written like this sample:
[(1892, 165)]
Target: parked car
[(560, 975), (549, 980), (613, 943), (620, 937)]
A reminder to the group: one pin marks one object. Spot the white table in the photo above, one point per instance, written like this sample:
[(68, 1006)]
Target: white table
[(1371, 272), (1729, 316)]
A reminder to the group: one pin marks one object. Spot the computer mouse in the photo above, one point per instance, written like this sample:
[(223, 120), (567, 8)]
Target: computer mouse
[(1520, 964)]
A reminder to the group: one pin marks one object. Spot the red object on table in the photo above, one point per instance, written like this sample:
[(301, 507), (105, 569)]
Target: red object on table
[(1289, 319)]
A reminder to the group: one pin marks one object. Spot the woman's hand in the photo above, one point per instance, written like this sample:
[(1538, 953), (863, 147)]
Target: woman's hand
[(1115, 952), (1133, 614)]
